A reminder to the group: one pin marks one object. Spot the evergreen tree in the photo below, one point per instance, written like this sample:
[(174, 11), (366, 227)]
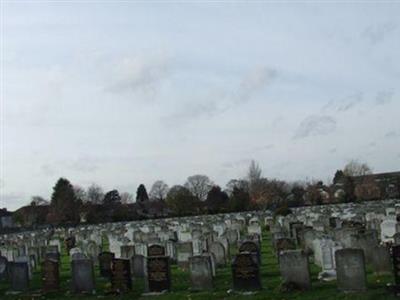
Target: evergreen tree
[(111, 198), (64, 204), (141, 194)]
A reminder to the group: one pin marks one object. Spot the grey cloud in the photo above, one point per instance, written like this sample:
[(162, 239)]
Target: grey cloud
[(235, 164), (84, 165), (392, 134), (193, 111), (139, 74), (344, 104), (315, 125), (253, 82), (377, 33), (80, 165), (262, 148), (250, 84), (333, 150), (384, 97)]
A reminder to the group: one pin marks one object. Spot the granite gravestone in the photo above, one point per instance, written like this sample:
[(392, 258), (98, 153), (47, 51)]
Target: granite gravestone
[(350, 270), (158, 274), (294, 268), (50, 275), (201, 276), (18, 275), (218, 250), (155, 250), (127, 251), (381, 262), (105, 261), (251, 247), (246, 272), (396, 265), (121, 279), (138, 265), (82, 276), (3, 267)]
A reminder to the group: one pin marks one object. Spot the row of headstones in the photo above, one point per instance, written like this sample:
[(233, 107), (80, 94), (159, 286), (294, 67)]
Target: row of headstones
[(155, 268)]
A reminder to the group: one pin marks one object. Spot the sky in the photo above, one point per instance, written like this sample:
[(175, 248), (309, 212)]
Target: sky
[(120, 93)]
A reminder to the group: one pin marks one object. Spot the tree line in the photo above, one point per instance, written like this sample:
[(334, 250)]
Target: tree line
[(71, 204)]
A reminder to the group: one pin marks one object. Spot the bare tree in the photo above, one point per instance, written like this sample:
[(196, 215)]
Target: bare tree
[(80, 193), (126, 198), (254, 173), (38, 201), (159, 191), (95, 194), (236, 183), (199, 186), (356, 168), (255, 181)]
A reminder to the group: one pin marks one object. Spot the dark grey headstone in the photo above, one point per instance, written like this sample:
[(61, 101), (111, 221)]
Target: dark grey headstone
[(158, 274), (82, 276), (350, 270), (294, 268), (121, 279), (3, 267), (138, 264), (50, 276), (105, 261), (18, 276), (246, 272), (201, 275)]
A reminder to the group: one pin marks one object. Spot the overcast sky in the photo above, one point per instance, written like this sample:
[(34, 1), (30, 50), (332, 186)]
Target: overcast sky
[(126, 93)]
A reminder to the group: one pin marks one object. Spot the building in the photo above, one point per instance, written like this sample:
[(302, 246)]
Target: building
[(377, 186)]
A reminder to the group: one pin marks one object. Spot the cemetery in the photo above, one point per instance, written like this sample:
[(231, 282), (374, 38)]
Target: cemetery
[(337, 251)]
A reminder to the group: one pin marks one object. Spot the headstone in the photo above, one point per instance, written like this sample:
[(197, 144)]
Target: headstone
[(121, 279), (219, 252), (252, 247), (18, 276), (201, 276), (184, 250), (50, 276), (105, 261), (396, 265), (158, 274), (138, 264), (350, 269), (294, 268), (381, 262), (3, 267), (155, 250), (82, 276), (127, 251), (246, 272)]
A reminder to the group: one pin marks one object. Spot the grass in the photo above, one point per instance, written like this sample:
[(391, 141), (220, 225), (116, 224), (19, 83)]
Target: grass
[(223, 282)]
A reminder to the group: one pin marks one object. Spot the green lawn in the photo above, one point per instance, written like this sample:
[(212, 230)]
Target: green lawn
[(181, 284)]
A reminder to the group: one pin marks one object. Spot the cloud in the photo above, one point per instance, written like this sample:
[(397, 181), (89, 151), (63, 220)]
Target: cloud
[(250, 84), (392, 134), (236, 163), (253, 82), (263, 148), (80, 165), (139, 74), (384, 97), (344, 104), (377, 33), (192, 111), (315, 125)]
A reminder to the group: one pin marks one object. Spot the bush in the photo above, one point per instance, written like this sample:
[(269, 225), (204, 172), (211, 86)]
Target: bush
[(282, 211)]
